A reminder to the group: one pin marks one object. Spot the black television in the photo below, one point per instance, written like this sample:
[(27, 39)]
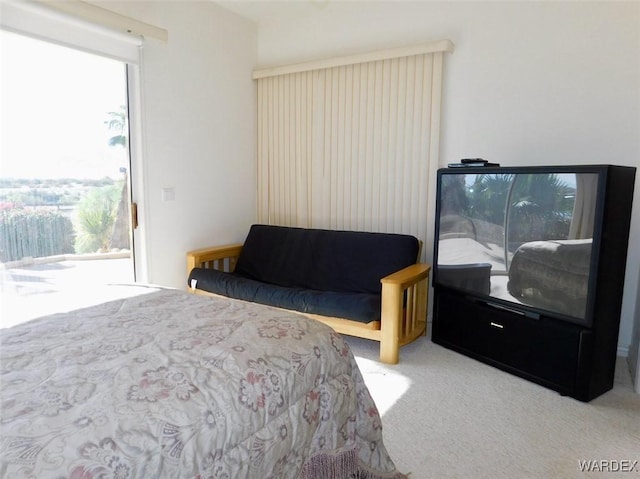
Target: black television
[(521, 238)]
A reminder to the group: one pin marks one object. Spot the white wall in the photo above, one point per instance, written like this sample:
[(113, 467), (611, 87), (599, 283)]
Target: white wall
[(634, 349), (199, 133), (528, 82)]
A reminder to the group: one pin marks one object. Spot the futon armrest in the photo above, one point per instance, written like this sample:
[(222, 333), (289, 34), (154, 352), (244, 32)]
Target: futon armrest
[(407, 276), (222, 258), (404, 309)]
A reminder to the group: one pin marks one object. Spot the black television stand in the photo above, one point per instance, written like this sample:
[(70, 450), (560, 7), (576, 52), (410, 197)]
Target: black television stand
[(556, 354)]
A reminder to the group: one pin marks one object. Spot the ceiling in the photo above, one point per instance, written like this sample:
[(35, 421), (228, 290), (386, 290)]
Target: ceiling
[(268, 11)]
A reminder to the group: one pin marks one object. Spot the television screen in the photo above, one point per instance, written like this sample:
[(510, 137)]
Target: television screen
[(524, 238)]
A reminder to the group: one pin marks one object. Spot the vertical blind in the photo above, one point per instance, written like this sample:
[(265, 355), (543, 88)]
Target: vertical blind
[(353, 145)]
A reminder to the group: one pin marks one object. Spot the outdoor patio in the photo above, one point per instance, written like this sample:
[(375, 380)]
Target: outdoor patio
[(46, 286)]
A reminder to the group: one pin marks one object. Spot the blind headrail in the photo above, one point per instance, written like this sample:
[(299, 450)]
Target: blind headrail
[(107, 18), (424, 48)]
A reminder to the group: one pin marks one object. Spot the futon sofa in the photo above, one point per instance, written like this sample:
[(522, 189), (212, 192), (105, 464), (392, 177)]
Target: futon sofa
[(361, 284)]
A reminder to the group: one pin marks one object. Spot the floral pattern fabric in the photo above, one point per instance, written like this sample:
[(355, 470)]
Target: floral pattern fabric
[(170, 384)]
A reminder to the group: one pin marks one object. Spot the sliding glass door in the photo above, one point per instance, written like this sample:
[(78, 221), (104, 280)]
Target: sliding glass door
[(65, 212)]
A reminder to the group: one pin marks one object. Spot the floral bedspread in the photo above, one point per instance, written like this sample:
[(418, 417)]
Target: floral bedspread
[(170, 384)]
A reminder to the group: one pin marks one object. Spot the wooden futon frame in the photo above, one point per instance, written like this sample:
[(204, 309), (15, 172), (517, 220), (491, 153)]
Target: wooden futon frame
[(403, 299)]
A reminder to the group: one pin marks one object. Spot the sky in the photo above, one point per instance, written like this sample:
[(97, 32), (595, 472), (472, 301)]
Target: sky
[(54, 101)]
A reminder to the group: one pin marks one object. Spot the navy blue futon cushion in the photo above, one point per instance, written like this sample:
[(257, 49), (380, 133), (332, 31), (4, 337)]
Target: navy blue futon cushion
[(361, 307), (324, 260)]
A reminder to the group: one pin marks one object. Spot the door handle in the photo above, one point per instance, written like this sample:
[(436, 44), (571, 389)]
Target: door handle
[(134, 215)]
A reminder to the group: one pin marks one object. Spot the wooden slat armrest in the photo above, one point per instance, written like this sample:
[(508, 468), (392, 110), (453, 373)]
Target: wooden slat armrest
[(407, 276), (197, 257), (395, 324)]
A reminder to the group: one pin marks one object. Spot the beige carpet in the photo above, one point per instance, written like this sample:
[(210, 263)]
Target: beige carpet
[(448, 416)]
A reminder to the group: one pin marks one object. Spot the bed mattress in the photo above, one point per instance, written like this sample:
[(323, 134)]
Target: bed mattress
[(170, 384)]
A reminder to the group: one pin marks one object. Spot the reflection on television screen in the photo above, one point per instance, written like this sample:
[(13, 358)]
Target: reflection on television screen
[(524, 237)]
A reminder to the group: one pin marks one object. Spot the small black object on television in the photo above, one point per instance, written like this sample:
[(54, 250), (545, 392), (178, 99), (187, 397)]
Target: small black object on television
[(542, 248)]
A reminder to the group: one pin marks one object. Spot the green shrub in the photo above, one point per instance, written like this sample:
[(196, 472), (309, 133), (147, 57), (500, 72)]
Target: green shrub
[(96, 216), (35, 232)]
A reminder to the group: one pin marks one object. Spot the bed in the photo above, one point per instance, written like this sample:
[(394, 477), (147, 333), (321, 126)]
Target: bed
[(170, 384)]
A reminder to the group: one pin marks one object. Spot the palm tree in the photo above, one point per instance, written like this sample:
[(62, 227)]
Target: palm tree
[(541, 208), (117, 123), (488, 194), (538, 206)]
